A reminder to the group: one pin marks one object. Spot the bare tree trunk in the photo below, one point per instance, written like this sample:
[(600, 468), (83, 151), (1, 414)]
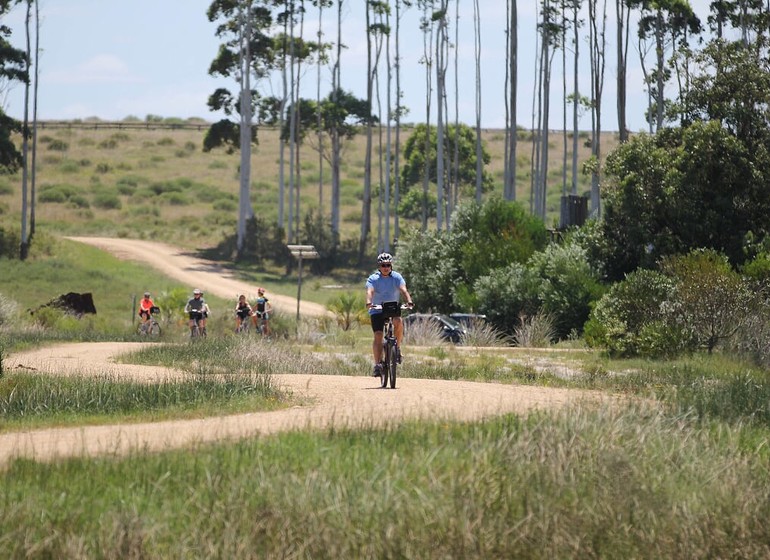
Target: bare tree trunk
[(477, 55), (598, 50), (320, 136), (366, 203), (441, 45), (622, 14), (244, 206), (512, 69), (428, 58), (396, 165), (292, 233), (24, 247), (297, 120), (389, 111), (335, 133), (281, 143), (576, 97), (456, 154), (33, 183)]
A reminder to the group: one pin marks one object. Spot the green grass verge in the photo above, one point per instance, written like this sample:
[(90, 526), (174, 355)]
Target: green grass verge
[(588, 484)]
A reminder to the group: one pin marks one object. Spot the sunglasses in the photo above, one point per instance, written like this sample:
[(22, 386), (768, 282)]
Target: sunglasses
[(386, 265)]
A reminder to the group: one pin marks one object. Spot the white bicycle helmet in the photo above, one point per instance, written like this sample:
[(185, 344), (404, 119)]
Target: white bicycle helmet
[(384, 258)]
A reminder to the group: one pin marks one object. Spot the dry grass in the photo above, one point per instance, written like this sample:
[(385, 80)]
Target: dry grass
[(131, 166)]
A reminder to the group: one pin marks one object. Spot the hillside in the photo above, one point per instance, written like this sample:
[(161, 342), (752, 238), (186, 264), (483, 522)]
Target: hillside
[(157, 183)]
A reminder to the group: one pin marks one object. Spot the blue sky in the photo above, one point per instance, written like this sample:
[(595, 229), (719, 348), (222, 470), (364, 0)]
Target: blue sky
[(111, 59)]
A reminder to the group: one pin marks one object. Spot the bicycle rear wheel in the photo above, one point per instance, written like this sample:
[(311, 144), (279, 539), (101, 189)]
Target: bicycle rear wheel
[(392, 365)]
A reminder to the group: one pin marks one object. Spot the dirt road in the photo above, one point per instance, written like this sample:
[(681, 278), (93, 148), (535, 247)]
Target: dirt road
[(197, 273), (334, 400)]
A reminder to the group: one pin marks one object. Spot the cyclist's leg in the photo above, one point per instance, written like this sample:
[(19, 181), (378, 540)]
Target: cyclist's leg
[(378, 323), (398, 331)]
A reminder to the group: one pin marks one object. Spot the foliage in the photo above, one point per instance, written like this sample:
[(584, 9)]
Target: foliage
[(567, 286), (411, 203), (412, 172), (620, 316), (506, 294), (317, 231), (426, 260), (10, 240), (13, 68), (710, 300), (535, 331), (348, 308), (683, 189), (492, 234)]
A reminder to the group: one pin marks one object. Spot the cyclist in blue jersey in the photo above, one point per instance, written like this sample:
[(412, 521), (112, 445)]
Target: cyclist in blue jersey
[(383, 286)]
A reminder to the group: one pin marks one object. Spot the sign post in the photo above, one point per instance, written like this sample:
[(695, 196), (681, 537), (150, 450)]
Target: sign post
[(302, 252)]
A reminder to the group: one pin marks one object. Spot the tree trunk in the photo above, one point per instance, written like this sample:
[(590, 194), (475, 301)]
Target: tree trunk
[(477, 56), (24, 247)]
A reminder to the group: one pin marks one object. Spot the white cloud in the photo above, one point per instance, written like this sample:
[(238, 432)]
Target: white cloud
[(101, 69)]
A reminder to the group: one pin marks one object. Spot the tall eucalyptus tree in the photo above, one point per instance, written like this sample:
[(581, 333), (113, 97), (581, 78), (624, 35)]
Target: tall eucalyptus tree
[(25, 235), (400, 110), (320, 60), (549, 42), (247, 51), (622, 35), (335, 132), (660, 22), (597, 42), (427, 27), (477, 91), (511, 85), (36, 81), (442, 47)]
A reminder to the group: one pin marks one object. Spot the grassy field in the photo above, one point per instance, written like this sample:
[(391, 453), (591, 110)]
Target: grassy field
[(681, 471), (159, 184)]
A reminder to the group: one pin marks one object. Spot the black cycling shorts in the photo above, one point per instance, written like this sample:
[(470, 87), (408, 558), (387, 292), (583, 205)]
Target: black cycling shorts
[(378, 322)]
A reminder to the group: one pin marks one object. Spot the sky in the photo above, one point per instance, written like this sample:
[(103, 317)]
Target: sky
[(112, 59)]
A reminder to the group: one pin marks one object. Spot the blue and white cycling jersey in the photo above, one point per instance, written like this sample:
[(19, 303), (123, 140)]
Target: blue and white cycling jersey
[(386, 288)]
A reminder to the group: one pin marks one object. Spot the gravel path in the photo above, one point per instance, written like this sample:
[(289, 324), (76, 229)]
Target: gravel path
[(335, 401)]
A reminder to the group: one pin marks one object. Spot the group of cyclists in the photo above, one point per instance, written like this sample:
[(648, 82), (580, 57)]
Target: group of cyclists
[(198, 311), (384, 285)]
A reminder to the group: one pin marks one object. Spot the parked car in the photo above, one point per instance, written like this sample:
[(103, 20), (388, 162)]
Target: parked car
[(468, 319), (449, 329)]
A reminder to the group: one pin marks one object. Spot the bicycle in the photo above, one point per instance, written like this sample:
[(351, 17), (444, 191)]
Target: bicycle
[(244, 326), (391, 353), (150, 327), (261, 322), (197, 330)]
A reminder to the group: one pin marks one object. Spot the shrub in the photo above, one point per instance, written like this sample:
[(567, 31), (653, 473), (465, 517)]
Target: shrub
[(618, 318), (58, 145), (107, 201)]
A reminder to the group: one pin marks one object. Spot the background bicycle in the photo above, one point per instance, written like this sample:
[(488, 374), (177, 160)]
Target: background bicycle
[(151, 327)]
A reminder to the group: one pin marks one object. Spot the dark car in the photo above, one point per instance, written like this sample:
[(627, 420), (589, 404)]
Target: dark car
[(449, 329), (468, 320)]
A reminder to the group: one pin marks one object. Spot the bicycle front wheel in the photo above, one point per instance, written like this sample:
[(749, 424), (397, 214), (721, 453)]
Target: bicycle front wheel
[(154, 330), (392, 365)]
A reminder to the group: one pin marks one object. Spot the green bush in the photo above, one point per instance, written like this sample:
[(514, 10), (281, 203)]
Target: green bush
[(618, 318), (107, 201)]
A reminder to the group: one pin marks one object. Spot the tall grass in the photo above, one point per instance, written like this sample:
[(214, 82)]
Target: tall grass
[(580, 484)]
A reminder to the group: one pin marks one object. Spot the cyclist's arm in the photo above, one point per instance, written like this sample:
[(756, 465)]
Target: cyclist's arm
[(405, 293), (369, 296)]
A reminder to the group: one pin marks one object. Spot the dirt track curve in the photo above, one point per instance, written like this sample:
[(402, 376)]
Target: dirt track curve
[(335, 401)]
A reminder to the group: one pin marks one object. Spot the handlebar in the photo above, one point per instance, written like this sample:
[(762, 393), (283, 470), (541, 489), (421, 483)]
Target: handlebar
[(402, 306)]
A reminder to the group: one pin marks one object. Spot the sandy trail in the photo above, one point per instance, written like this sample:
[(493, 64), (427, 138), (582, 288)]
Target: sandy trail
[(335, 401), (209, 276)]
